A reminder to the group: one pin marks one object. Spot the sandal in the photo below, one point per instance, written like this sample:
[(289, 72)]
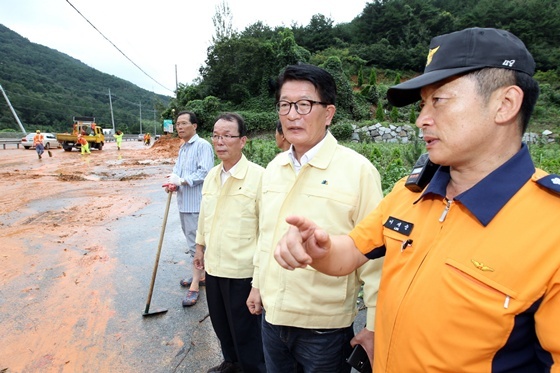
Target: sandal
[(190, 299), (186, 282)]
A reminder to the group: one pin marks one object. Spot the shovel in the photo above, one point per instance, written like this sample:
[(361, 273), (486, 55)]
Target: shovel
[(158, 311)]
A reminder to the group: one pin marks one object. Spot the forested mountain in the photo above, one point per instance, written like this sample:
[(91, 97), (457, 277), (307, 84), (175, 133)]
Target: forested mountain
[(383, 45), (47, 88)]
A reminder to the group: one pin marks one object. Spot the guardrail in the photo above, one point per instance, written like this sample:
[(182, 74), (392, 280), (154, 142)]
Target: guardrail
[(5, 142), (109, 138)]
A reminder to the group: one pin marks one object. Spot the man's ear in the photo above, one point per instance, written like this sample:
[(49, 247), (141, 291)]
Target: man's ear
[(331, 110), (510, 100)]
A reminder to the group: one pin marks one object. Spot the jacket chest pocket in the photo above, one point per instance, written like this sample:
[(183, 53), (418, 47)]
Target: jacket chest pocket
[(472, 281)]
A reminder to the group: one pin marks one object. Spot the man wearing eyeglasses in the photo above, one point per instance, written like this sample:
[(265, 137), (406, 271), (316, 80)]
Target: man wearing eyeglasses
[(471, 277), (308, 317), (226, 242), (195, 159)]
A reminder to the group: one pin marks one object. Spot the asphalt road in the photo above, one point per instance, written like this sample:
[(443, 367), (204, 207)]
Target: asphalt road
[(78, 242), (180, 340)]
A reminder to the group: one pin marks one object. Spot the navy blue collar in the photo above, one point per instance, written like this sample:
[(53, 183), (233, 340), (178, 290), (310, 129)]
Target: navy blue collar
[(488, 196)]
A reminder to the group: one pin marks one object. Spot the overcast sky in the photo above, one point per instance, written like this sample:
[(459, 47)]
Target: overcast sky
[(155, 35)]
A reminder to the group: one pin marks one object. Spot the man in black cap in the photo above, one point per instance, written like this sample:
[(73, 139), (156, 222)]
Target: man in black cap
[(471, 277)]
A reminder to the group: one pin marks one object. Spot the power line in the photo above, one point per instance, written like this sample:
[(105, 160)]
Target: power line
[(117, 48), (63, 101)]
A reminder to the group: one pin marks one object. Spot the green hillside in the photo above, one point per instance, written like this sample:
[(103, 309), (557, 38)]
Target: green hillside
[(47, 88), (385, 44)]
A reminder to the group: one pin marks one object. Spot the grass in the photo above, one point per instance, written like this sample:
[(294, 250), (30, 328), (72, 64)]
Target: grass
[(394, 161)]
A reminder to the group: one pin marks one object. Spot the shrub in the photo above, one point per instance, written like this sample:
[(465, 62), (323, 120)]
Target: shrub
[(379, 114), (259, 121), (395, 161), (342, 131), (546, 157), (394, 114), (260, 151), (206, 111), (412, 116)]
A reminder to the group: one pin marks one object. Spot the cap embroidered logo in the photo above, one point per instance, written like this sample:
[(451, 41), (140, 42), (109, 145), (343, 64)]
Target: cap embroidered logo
[(431, 55)]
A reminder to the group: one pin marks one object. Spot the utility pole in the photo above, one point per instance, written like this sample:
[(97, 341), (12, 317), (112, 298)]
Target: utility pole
[(111, 106), (12, 109), (140, 116), (176, 81), (155, 124)]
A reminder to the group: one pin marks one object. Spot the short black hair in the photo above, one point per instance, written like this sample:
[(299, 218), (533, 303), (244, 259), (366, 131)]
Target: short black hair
[(490, 78), (192, 116), (321, 79), (531, 91), (234, 117)]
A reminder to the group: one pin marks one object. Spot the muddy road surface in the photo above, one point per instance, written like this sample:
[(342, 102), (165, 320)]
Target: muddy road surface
[(78, 243)]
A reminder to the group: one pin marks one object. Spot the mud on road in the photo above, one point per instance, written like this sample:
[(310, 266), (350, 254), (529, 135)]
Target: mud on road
[(78, 242)]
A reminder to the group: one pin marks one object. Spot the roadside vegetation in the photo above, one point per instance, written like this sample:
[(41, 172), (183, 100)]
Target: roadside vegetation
[(383, 45), (395, 161)]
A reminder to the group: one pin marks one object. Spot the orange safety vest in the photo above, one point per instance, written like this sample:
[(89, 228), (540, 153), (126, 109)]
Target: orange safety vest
[(38, 139)]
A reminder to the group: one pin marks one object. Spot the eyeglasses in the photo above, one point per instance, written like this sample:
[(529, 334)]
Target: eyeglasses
[(303, 107), (224, 137)]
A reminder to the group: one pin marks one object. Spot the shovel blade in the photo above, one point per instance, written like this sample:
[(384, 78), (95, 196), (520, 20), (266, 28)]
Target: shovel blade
[(157, 311)]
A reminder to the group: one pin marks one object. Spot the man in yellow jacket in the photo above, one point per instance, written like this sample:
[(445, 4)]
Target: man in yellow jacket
[(308, 324), (226, 241)]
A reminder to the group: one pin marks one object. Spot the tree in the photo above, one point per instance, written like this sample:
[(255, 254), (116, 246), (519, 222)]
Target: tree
[(345, 98), (223, 22), (379, 114), (394, 114), (412, 116), (288, 52), (373, 77), (360, 76), (186, 93), (237, 68), (316, 36)]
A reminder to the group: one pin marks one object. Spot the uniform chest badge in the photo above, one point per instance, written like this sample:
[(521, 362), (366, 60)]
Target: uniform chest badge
[(482, 266), (398, 225)]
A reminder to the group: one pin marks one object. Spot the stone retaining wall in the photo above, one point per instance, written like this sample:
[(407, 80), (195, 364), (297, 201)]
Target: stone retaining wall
[(404, 134)]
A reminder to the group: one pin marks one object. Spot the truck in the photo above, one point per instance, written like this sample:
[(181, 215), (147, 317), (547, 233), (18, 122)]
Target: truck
[(88, 128)]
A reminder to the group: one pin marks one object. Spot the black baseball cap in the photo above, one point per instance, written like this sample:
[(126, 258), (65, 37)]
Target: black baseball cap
[(463, 51)]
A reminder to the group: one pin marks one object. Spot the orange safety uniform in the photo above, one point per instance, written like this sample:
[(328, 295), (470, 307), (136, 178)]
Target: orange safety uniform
[(84, 144), (472, 284), (38, 139)]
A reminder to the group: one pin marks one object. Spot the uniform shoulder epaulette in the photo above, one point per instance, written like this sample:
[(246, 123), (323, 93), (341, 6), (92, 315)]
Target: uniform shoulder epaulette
[(550, 182)]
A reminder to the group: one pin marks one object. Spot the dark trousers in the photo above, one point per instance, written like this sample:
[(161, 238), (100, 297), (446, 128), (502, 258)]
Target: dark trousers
[(237, 329), (40, 149), (289, 349)]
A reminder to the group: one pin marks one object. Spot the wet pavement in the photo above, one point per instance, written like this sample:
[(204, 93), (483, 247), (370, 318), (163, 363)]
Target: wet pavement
[(74, 281), (180, 340), (158, 336), (76, 268)]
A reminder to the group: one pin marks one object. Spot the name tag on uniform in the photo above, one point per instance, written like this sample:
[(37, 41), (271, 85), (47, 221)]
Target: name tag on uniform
[(399, 225)]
